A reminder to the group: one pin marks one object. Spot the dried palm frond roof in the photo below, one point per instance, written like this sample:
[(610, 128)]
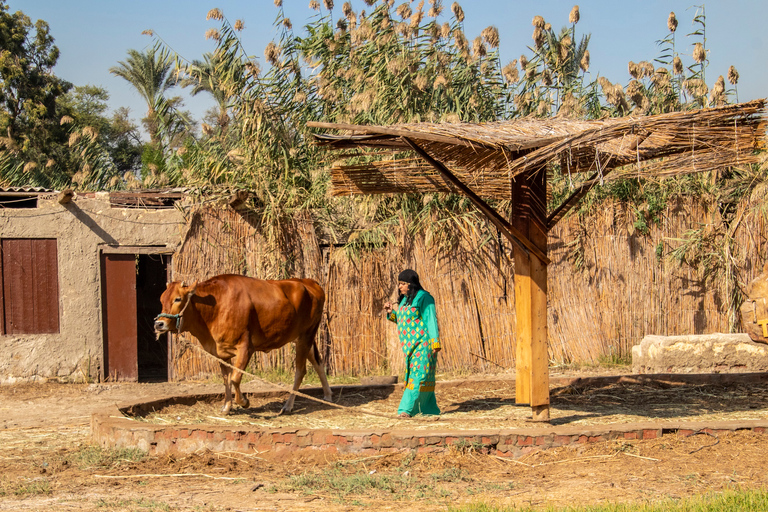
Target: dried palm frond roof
[(487, 156)]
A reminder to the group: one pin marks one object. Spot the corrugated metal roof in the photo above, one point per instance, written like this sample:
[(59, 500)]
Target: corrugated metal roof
[(31, 190)]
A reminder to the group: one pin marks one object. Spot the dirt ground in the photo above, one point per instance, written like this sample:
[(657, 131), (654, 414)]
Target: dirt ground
[(47, 461)]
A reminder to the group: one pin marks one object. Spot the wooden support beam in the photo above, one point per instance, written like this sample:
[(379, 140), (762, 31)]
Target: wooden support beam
[(532, 358), (509, 231)]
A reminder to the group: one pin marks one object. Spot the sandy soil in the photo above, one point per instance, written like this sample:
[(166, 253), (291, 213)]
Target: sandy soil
[(47, 461)]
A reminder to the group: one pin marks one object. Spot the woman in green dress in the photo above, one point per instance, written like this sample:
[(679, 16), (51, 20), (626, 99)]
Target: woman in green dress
[(416, 320)]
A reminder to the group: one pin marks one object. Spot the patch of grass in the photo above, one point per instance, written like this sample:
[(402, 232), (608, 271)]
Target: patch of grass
[(345, 486), (134, 504), (92, 456), (752, 500), (25, 487), (452, 475)]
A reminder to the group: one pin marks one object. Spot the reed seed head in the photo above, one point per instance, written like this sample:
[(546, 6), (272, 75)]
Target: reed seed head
[(314, 5), (699, 53), (445, 30), (404, 10), (677, 66), (416, 19), (253, 68), (272, 53), (538, 22), (239, 25), (212, 33), (584, 64), (459, 40), (421, 82), (546, 77), (328, 4), (278, 3), (696, 87), (491, 36), (511, 73), (458, 12), (215, 14), (91, 132), (717, 95), (672, 22), (435, 11), (573, 17), (733, 75)]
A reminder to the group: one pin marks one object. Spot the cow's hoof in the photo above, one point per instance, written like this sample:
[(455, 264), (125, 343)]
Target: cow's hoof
[(245, 403), (225, 410), (284, 411), (328, 398)]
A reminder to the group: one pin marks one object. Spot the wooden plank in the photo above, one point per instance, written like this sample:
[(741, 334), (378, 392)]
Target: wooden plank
[(539, 335), (523, 355)]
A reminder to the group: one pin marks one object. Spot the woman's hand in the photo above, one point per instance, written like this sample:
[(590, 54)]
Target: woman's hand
[(388, 307)]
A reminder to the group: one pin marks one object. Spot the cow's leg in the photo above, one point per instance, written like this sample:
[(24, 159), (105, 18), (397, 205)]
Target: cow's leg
[(242, 357), (327, 395), (226, 373), (302, 351)]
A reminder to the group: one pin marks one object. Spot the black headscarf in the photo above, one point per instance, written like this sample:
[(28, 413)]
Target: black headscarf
[(412, 278)]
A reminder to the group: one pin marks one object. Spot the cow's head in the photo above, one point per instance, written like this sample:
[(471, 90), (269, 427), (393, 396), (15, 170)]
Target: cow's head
[(174, 301)]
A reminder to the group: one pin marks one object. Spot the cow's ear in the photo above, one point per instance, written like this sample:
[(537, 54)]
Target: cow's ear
[(183, 284)]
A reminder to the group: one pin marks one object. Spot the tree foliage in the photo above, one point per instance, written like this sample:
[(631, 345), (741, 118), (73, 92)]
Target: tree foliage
[(30, 129)]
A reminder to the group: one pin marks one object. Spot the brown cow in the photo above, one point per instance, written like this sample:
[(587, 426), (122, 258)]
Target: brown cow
[(234, 316)]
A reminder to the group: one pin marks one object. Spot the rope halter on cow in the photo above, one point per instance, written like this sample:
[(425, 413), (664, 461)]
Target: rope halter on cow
[(178, 316)]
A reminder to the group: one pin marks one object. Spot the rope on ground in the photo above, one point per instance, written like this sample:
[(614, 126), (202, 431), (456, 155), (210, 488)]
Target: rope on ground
[(425, 419), (291, 391), (703, 433)]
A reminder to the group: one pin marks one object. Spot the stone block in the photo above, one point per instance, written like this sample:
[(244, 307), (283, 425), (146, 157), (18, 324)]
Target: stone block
[(699, 353)]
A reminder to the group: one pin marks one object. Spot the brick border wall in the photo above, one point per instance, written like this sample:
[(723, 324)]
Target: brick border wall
[(111, 429)]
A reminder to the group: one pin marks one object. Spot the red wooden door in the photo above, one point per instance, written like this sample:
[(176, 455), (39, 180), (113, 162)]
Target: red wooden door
[(119, 317)]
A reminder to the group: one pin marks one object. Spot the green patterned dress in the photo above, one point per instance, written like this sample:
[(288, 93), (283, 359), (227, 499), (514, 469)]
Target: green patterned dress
[(419, 338)]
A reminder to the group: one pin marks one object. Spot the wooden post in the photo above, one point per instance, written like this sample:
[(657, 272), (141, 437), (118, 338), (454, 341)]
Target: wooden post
[(532, 359)]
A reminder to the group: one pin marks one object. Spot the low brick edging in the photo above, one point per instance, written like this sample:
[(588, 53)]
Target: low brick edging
[(113, 429), (110, 431)]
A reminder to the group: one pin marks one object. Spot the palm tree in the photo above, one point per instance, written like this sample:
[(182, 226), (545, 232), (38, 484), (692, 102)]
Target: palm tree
[(150, 73), (203, 76)]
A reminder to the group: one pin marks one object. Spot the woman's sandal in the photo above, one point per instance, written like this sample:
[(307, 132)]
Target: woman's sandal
[(403, 415)]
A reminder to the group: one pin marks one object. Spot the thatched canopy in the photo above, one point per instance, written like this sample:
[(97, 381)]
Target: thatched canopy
[(488, 156)]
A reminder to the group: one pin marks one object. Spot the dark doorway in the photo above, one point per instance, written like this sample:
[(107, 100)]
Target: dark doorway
[(131, 287), (151, 280)]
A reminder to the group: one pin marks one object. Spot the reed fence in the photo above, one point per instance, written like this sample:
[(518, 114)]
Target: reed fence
[(608, 285)]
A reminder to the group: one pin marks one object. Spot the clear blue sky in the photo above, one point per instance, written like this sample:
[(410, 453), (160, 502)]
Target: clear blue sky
[(94, 35)]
